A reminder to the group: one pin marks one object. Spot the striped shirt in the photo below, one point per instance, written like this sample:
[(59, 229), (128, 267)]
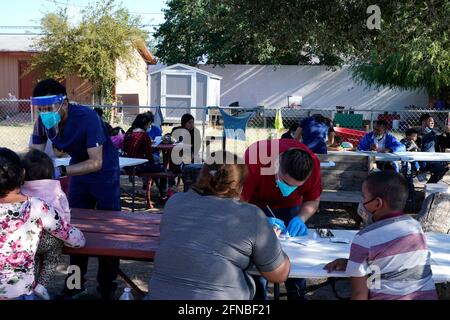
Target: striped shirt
[(395, 248)]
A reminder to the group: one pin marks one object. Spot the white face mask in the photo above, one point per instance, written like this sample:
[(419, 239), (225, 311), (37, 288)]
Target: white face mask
[(365, 214)]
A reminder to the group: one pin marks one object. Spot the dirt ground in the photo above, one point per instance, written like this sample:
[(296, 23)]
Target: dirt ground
[(140, 272)]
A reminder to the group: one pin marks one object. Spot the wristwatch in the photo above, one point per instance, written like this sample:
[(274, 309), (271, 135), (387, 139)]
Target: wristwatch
[(62, 171)]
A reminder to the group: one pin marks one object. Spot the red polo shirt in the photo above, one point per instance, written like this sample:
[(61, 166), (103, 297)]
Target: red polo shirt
[(261, 189)]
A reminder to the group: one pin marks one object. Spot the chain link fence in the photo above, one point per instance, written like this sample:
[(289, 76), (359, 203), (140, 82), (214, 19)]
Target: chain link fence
[(16, 122)]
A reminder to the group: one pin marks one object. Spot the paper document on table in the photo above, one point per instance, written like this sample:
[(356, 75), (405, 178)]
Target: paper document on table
[(305, 242), (157, 140)]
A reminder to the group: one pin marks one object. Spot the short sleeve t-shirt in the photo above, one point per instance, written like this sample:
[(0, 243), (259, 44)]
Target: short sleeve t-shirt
[(315, 134), (397, 249), (260, 187), (207, 244), (83, 129)]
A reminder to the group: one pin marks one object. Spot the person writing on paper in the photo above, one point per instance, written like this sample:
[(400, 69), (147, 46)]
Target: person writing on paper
[(380, 140), (94, 165), (392, 245), (211, 262), (284, 175)]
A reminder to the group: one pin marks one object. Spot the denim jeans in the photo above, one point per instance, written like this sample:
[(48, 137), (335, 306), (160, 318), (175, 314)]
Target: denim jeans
[(27, 297), (436, 168), (295, 287)]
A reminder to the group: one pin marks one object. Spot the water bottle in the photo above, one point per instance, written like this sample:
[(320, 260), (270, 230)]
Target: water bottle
[(126, 295)]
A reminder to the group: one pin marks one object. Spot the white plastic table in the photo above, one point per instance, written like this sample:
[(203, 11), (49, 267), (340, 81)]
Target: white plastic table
[(423, 156), (378, 156), (307, 261), (123, 162)]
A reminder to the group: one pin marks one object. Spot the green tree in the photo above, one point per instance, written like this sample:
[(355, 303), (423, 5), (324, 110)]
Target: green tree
[(261, 32), (107, 34), (410, 51)]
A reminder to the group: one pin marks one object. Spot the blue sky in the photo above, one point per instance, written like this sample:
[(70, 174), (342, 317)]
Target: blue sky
[(29, 12)]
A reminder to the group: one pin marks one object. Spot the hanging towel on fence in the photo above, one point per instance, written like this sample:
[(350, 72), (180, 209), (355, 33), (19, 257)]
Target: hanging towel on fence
[(279, 121), (234, 127), (159, 119)]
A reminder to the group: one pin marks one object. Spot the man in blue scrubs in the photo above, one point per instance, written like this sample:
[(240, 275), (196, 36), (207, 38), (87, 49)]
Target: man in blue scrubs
[(94, 166)]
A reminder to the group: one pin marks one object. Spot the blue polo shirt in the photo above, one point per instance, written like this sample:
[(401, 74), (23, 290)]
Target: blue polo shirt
[(83, 129)]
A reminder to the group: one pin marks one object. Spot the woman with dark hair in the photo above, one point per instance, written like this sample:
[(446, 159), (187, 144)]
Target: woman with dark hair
[(188, 134), (317, 132), (22, 220), (208, 226), (137, 144)]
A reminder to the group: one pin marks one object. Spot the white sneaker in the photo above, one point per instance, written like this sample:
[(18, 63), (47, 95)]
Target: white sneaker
[(41, 292), (422, 177)]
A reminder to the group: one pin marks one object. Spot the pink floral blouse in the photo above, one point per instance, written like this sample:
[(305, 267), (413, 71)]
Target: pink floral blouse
[(21, 225)]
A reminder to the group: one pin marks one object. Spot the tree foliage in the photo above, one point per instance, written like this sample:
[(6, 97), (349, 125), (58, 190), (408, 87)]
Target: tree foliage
[(410, 51), (107, 34)]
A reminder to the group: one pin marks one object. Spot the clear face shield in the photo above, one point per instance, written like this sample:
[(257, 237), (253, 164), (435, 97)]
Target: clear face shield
[(46, 112)]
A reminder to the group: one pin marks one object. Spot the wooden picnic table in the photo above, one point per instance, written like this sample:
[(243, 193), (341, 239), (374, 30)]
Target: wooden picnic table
[(118, 234)]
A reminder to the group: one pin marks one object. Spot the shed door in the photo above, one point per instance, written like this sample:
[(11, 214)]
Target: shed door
[(178, 93)]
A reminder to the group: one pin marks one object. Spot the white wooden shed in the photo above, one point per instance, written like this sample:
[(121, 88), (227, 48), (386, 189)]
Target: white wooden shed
[(180, 89)]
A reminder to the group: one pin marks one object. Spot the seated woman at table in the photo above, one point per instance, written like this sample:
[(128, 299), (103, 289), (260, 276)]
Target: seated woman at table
[(40, 183), (209, 240), (380, 140), (427, 141), (137, 144), (189, 135), (391, 249), (316, 133), (22, 220)]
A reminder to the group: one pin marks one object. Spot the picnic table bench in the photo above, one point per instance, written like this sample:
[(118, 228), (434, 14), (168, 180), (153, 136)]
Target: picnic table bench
[(118, 234), (342, 182)]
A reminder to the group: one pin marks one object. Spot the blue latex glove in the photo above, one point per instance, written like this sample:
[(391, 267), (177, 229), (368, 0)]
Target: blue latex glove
[(278, 223), (297, 227)]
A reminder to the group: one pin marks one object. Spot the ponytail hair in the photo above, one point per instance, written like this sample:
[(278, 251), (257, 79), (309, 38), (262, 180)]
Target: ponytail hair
[(222, 175)]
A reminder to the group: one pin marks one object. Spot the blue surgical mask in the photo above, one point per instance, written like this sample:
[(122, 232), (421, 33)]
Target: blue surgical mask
[(427, 130), (50, 119), (285, 189)]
